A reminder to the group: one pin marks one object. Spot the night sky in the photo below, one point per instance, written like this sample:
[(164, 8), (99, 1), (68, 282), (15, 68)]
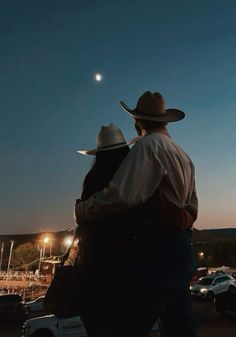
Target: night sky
[(51, 105)]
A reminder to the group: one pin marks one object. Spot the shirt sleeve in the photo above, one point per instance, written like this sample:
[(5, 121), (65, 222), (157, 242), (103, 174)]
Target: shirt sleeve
[(134, 182)]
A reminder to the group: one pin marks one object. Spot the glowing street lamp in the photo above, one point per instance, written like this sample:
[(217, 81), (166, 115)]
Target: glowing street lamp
[(68, 241), (201, 254), (1, 257), (46, 239)]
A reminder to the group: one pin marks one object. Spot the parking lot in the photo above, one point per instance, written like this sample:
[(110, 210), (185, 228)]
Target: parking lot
[(209, 323)]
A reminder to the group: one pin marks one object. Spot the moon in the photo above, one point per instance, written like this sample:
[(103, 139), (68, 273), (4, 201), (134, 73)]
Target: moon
[(98, 77)]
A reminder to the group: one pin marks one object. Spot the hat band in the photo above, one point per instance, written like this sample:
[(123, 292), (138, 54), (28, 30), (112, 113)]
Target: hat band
[(112, 145), (143, 114)]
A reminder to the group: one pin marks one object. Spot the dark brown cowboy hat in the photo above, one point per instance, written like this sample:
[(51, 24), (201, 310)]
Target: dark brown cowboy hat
[(151, 107)]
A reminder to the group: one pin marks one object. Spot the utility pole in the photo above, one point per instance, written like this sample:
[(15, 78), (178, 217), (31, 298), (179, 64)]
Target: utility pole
[(43, 254), (40, 259), (9, 259), (1, 256), (50, 248)]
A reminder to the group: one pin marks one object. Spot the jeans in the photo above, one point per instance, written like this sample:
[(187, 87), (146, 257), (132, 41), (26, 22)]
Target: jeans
[(149, 282)]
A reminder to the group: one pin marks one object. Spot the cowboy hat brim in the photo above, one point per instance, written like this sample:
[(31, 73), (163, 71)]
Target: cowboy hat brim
[(113, 147), (170, 115)]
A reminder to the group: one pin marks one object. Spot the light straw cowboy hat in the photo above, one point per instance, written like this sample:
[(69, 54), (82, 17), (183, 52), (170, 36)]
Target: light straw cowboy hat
[(151, 107), (108, 138)]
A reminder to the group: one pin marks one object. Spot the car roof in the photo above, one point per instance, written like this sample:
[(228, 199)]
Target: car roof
[(36, 299), (213, 276), (210, 277)]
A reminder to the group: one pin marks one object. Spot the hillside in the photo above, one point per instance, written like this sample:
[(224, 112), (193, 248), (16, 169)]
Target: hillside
[(208, 235), (200, 237), (213, 235), (57, 242)]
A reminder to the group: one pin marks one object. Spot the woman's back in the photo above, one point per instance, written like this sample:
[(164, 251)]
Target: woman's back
[(105, 166), (97, 239)]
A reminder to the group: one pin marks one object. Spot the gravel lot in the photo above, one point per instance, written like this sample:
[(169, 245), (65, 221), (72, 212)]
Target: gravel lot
[(209, 323)]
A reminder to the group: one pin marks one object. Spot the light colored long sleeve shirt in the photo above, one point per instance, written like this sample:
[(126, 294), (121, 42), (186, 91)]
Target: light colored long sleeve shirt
[(154, 156)]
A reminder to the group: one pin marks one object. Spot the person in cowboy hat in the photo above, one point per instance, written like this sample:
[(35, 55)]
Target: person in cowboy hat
[(158, 178), (111, 149), (101, 242)]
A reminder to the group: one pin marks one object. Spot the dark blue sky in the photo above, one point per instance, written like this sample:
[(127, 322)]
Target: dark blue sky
[(50, 104)]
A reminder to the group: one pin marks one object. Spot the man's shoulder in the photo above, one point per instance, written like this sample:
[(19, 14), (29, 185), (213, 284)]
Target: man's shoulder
[(161, 143), (153, 139), (149, 137)]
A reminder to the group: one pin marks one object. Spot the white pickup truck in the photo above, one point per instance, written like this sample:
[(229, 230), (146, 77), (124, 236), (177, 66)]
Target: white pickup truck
[(51, 326)]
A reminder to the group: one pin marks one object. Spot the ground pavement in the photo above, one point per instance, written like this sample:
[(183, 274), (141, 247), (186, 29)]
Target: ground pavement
[(209, 323)]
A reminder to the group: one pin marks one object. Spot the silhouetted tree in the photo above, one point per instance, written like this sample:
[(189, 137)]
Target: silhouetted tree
[(24, 254)]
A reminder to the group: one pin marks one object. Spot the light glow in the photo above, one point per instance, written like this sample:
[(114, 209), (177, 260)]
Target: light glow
[(46, 239), (68, 241)]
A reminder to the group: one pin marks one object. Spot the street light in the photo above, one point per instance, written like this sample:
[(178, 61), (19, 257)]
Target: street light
[(46, 239), (1, 256), (9, 259), (40, 258), (68, 241), (50, 248), (202, 258)]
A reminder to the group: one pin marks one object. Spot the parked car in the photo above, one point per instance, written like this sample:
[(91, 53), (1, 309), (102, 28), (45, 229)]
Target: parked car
[(51, 326), (213, 284), (12, 308), (35, 305)]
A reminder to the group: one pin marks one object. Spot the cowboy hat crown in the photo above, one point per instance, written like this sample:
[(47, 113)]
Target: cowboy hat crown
[(151, 107), (109, 137)]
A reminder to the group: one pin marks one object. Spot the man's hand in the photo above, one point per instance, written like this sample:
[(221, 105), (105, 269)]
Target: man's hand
[(92, 209)]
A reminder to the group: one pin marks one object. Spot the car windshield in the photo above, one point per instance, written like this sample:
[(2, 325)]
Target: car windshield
[(205, 281)]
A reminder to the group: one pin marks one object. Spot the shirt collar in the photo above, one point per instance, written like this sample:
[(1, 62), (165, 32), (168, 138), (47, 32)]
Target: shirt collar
[(163, 130)]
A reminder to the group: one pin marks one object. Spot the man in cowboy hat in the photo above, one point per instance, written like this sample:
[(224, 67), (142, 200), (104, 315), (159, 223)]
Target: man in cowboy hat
[(157, 173)]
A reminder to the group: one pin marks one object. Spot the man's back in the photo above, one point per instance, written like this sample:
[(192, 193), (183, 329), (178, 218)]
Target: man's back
[(178, 169)]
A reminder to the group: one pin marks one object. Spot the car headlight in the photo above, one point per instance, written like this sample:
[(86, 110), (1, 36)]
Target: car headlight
[(204, 290)]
